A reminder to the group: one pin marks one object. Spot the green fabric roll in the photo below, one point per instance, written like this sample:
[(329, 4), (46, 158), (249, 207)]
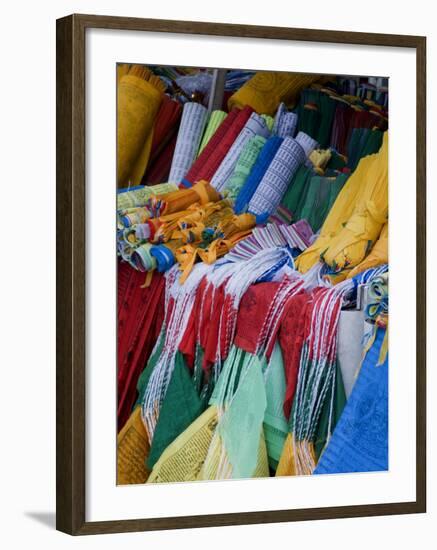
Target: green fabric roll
[(244, 165), (296, 191), (215, 119), (181, 406), (320, 196), (363, 142), (269, 121)]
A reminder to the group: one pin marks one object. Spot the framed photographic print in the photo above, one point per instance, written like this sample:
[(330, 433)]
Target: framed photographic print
[(241, 274)]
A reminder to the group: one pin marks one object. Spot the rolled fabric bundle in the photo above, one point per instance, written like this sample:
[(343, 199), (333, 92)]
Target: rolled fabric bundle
[(202, 192), (142, 259), (308, 143), (189, 136), (255, 126), (138, 197), (285, 123), (139, 97), (211, 164), (164, 255), (244, 166), (133, 216), (377, 256), (260, 167), (273, 185), (266, 90), (368, 169), (213, 143), (215, 119)]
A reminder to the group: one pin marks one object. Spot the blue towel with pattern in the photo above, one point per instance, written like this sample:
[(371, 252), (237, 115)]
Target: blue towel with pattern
[(360, 439)]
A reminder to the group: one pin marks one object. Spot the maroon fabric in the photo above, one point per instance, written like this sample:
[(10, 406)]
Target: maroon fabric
[(140, 316), (159, 168), (166, 124)]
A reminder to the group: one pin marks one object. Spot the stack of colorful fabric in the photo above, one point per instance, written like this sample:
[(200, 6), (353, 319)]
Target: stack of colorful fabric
[(234, 272)]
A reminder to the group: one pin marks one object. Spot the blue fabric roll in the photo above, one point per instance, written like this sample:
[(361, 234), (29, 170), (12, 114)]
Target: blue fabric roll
[(164, 257), (360, 439), (260, 167)]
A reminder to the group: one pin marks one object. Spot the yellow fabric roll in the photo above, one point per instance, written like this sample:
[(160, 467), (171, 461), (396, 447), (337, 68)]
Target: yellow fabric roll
[(139, 97), (378, 255), (132, 451), (265, 91), (355, 240), (368, 171)]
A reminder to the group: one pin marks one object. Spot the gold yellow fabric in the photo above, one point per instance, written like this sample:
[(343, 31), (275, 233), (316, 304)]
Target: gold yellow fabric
[(139, 97), (297, 459), (266, 90), (183, 459), (132, 451), (202, 192), (370, 179), (377, 256), (355, 240)]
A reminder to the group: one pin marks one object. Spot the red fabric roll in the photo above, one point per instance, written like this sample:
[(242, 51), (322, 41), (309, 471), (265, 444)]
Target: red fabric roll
[(166, 124), (139, 322), (214, 159), (210, 158)]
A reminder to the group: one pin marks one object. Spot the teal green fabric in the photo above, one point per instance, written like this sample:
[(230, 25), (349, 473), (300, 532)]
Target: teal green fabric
[(323, 432), (240, 426), (181, 406), (143, 380), (275, 423), (319, 198), (296, 191)]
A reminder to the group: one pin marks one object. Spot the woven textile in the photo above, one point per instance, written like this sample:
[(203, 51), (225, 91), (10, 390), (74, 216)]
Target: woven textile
[(308, 143), (360, 440), (266, 90), (260, 167), (255, 126), (138, 99), (193, 174), (189, 136), (214, 121), (244, 166), (273, 185), (285, 123)]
